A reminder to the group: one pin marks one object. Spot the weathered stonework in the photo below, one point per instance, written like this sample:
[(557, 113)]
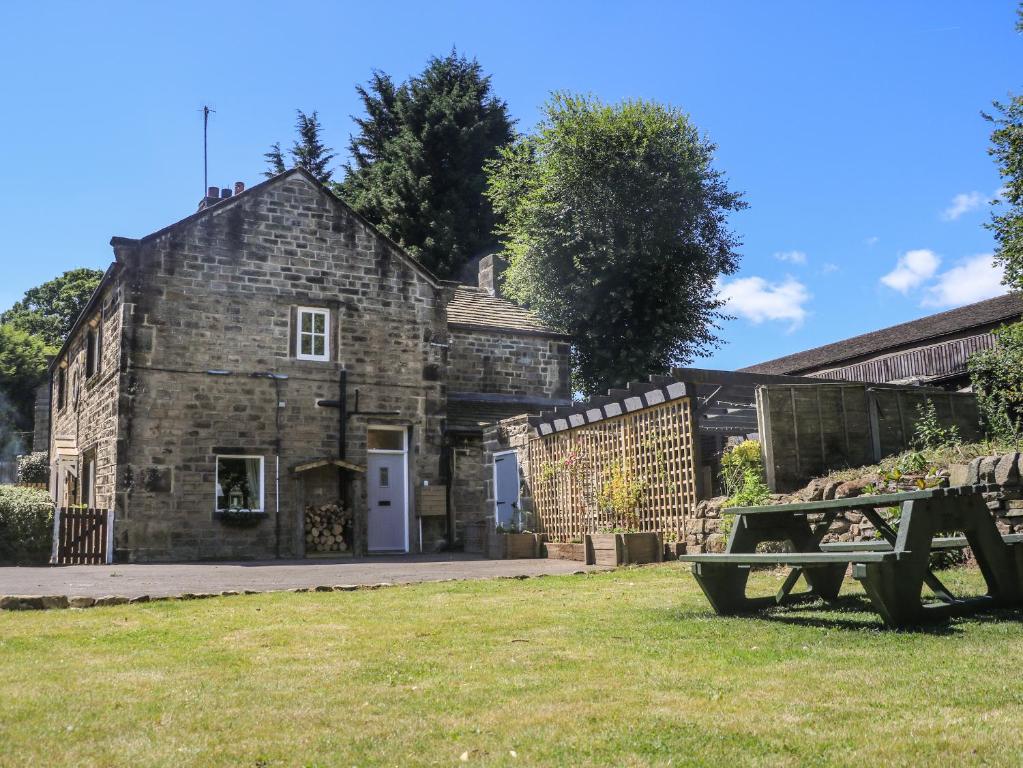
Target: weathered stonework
[(199, 360)]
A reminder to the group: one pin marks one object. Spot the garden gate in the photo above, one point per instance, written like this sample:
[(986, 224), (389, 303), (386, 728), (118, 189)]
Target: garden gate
[(83, 537)]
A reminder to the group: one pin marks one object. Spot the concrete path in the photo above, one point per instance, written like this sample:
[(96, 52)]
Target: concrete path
[(167, 580)]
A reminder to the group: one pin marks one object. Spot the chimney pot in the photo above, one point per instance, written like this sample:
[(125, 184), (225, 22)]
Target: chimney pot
[(225, 193), (239, 187), (211, 192)]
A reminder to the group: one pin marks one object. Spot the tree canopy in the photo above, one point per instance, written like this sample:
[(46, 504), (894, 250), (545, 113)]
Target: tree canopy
[(417, 160), (23, 363), (49, 310), (30, 332), (615, 225), (308, 151), (1007, 150)]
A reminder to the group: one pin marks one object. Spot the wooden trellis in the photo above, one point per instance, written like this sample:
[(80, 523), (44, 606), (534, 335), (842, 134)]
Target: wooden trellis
[(654, 446)]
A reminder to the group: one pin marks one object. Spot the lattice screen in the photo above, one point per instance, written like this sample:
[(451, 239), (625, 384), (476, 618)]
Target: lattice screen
[(654, 446)]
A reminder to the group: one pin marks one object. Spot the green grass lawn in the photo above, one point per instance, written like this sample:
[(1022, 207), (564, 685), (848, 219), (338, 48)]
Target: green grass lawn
[(609, 669)]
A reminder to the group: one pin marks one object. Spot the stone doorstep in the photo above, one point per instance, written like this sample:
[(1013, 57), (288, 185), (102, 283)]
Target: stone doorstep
[(47, 602)]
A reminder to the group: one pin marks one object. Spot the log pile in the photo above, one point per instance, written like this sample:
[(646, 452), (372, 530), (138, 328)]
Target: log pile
[(325, 528)]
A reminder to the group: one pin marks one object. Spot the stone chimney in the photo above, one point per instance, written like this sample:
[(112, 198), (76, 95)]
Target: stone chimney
[(215, 195), (491, 269)]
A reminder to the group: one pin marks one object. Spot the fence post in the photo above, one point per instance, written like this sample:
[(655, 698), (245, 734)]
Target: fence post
[(56, 535), (110, 537)]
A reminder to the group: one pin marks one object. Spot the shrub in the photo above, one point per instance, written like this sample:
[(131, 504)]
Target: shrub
[(928, 431), (26, 524), (742, 475), (997, 378), (736, 461), (619, 496), (34, 468)]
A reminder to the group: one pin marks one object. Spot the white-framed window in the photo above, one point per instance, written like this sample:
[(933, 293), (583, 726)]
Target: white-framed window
[(312, 340), (93, 352), (239, 482)]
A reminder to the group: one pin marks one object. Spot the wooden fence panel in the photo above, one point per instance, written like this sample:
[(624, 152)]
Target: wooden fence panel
[(808, 430), (82, 537), (655, 446)]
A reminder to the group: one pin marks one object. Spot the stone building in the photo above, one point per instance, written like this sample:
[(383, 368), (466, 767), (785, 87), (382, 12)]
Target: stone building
[(271, 352)]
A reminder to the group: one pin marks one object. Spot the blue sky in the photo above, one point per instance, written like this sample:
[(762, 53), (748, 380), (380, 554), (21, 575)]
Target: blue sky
[(853, 128)]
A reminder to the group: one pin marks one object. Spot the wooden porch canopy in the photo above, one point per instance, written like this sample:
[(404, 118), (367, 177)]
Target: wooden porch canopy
[(725, 401), (326, 462)]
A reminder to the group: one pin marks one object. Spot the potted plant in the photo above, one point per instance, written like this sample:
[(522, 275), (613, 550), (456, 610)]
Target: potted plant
[(618, 540)]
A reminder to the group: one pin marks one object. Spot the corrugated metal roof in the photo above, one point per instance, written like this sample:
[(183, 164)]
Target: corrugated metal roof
[(981, 315)]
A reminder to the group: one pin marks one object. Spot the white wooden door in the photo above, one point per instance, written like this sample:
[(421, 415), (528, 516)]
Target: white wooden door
[(506, 489), (387, 492)]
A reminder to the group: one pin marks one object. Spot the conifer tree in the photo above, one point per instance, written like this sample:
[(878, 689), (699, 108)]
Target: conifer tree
[(308, 151), (417, 160)]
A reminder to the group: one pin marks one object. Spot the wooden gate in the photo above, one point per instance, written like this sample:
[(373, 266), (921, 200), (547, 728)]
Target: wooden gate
[(83, 537)]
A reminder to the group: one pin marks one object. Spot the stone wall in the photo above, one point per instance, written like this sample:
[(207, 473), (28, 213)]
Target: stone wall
[(85, 415), (508, 363), (707, 532), (219, 292), (469, 487)]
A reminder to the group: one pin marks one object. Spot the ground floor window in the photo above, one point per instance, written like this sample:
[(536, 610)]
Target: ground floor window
[(240, 483)]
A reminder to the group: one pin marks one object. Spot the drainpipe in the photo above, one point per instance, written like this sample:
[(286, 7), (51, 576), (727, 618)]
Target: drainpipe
[(342, 430)]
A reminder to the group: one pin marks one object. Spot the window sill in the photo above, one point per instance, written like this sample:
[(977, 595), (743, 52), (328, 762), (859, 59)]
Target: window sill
[(239, 517)]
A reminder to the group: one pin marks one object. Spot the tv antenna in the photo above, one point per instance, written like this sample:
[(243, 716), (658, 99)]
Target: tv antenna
[(206, 111)]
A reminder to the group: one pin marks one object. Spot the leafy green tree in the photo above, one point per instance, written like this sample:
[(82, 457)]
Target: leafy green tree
[(308, 150), (49, 310), (417, 160), (615, 224), (996, 376), (23, 363), (1007, 149)]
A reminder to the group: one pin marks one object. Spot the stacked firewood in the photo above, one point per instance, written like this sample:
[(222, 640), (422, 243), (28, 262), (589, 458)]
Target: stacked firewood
[(325, 526)]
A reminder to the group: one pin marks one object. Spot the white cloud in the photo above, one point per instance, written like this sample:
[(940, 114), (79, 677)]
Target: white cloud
[(758, 300), (912, 270), (792, 257), (962, 203), (974, 279), (828, 267), (872, 241)]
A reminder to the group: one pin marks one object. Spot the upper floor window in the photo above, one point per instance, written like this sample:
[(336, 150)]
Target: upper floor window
[(92, 352), (313, 329), (61, 387)]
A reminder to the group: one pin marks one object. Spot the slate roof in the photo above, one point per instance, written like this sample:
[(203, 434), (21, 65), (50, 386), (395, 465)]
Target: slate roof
[(978, 317), (473, 307)]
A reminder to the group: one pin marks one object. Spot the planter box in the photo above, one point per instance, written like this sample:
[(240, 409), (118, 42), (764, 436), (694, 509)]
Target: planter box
[(513, 546), (561, 550), (615, 549)]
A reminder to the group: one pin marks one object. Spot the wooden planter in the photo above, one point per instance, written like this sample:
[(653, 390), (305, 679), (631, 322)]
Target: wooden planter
[(513, 546), (563, 550), (673, 549), (623, 548)]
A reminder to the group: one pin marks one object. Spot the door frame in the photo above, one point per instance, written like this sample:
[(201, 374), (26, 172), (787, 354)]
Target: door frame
[(405, 486), (518, 485)]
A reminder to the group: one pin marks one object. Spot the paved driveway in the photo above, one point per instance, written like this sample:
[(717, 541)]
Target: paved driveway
[(162, 580)]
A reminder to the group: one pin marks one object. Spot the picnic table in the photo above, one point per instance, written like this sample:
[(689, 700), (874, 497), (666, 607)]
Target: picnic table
[(893, 569)]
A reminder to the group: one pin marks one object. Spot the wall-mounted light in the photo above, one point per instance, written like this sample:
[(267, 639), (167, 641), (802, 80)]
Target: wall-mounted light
[(218, 373)]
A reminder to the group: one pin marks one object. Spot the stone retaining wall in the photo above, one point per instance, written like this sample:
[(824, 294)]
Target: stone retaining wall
[(706, 531)]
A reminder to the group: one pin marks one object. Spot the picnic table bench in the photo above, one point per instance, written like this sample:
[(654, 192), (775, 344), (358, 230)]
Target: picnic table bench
[(893, 569)]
